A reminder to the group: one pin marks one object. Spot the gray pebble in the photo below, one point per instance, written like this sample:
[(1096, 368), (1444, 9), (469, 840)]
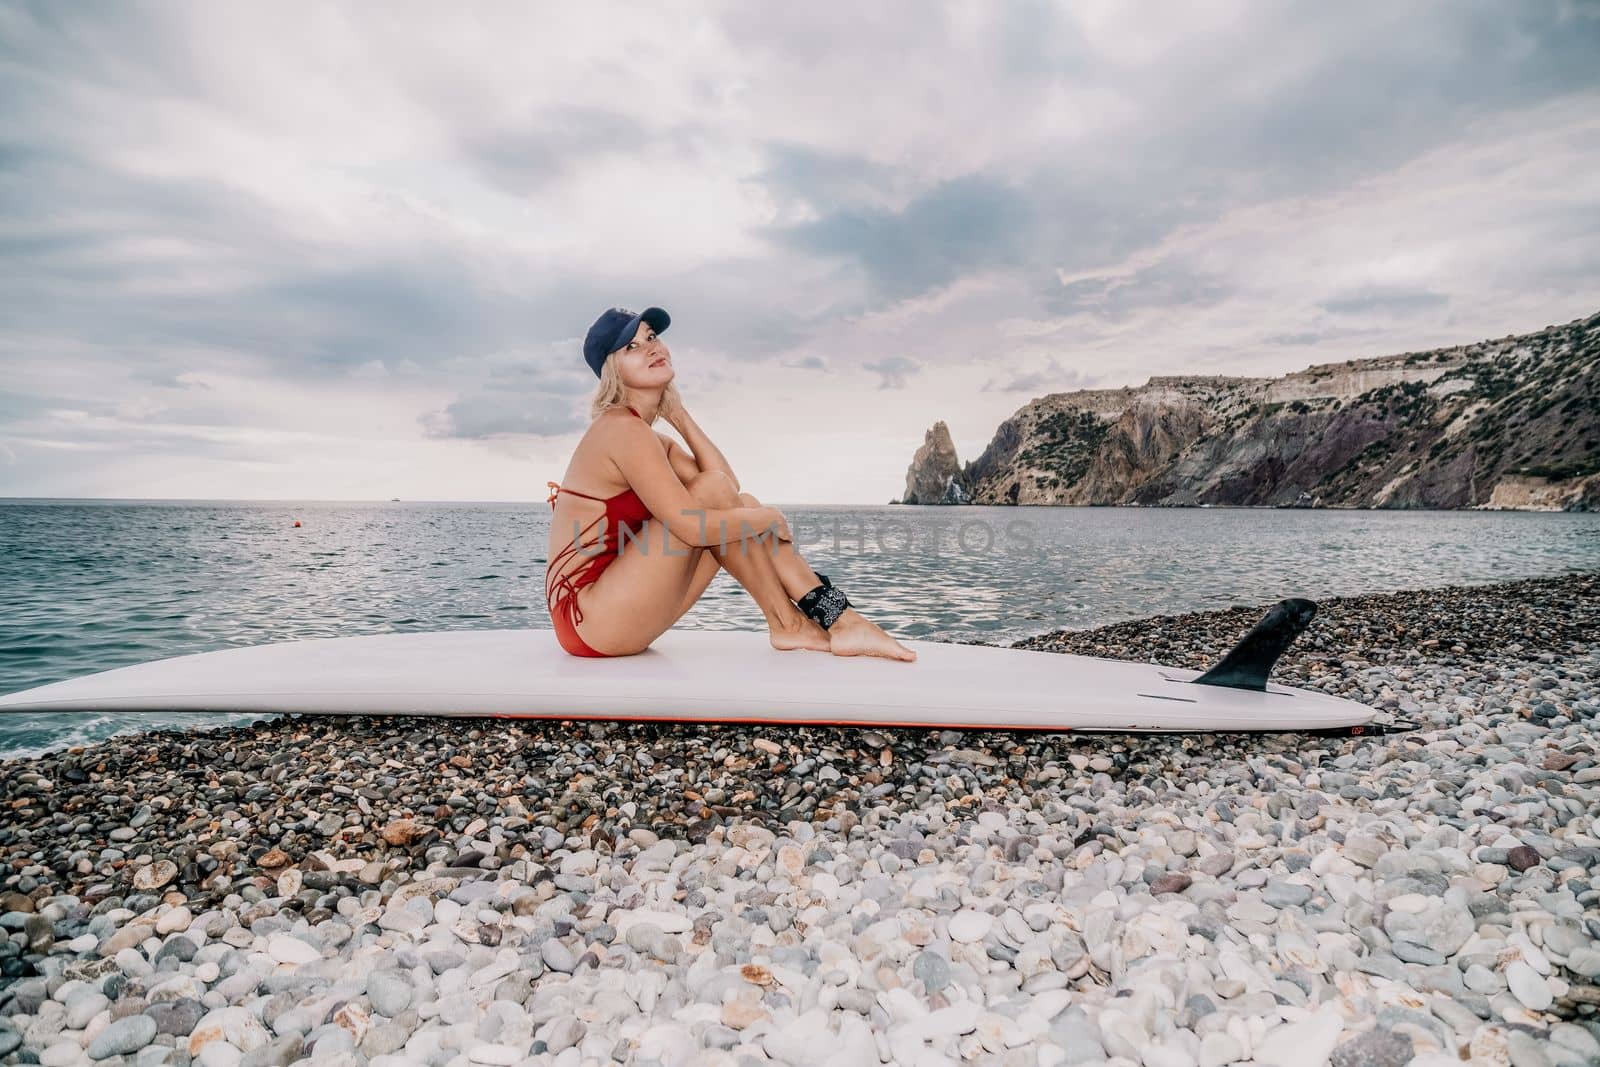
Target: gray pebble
[(932, 970), (123, 1037)]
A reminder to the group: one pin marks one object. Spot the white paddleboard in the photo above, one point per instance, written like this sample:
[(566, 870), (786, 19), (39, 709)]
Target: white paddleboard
[(691, 676)]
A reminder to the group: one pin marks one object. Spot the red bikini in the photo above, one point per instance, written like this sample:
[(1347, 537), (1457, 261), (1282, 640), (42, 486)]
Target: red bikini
[(561, 590)]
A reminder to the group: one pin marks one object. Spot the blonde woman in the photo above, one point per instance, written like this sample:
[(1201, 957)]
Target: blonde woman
[(613, 594)]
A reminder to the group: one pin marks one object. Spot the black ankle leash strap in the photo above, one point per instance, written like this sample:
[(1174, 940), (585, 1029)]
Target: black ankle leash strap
[(824, 604)]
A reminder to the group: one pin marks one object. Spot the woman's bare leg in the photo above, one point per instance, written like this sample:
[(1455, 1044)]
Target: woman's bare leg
[(851, 634), (704, 572), (794, 572), (656, 578), (633, 600), (751, 563), (644, 591)]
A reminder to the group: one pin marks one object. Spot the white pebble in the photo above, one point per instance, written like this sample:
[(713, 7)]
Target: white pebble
[(292, 950), (1528, 987), (968, 926)]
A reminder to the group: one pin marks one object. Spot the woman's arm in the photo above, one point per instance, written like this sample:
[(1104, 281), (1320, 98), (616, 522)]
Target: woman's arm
[(682, 463), (706, 455), (637, 452)]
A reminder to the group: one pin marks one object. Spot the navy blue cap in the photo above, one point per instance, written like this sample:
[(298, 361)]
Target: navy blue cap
[(614, 328)]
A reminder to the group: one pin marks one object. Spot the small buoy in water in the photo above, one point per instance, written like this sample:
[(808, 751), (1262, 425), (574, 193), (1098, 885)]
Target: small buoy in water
[(297, 523)]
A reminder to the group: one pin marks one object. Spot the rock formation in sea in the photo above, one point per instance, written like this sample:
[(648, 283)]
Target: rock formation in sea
[(935, 476), (1508, 423)]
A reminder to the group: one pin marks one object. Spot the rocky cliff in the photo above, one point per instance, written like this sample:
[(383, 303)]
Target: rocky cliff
[(1509, 423), (934, 477)]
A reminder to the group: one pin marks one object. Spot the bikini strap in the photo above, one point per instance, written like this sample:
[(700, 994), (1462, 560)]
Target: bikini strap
[(556, 489), (561, 586)]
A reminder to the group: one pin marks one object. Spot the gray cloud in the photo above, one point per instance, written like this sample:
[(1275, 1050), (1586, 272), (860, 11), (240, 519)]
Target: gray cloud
[(538, 397), (166, 377), (520, 158), (1208, 137), (799, 176), (485, 415), (893, 371), (1305, 337), (17, 405), (963, 225), (1118, 299), (1388, 300), (1053, 379)]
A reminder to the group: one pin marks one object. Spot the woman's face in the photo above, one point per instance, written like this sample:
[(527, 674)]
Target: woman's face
[(645, 362)]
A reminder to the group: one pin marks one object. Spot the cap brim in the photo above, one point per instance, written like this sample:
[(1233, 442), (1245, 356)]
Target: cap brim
[(658, 319)]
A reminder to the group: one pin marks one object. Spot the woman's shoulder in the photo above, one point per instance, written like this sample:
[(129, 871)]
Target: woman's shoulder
[(606, 421), (617, 423), (608, 431)]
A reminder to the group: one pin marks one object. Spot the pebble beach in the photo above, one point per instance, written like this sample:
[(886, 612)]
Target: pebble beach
[(451, 893)]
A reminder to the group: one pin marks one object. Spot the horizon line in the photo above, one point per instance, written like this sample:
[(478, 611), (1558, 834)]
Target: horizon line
[(328, 500)]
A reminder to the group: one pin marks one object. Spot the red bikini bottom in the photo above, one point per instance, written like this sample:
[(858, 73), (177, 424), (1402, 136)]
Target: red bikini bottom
[(565, 606)]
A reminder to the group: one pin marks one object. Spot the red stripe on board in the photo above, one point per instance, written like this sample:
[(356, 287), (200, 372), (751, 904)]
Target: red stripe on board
[(771, 722)]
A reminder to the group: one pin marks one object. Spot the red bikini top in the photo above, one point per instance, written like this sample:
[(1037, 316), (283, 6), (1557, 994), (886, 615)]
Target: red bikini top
[(624, 509)]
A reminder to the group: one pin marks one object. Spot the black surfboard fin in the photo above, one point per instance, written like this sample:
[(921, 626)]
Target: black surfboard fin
[(1251, 660)]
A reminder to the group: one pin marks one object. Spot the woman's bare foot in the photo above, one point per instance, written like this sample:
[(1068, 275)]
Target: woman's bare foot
[(853, 635), (805, 635)]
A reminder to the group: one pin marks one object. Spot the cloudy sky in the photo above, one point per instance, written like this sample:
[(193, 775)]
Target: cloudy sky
[(297, 251)]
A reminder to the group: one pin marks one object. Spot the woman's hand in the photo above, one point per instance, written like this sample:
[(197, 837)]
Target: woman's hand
[(679, 416), (707, 456)]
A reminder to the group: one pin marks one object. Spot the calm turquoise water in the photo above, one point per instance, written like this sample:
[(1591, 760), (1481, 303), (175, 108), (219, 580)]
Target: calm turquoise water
[(90, 585)]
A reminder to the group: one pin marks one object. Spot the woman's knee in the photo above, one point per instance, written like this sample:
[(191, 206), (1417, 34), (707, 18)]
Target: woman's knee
[(713, 489), (749, 500)]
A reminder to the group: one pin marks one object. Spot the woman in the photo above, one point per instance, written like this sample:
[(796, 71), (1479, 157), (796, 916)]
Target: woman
[(612, 592)]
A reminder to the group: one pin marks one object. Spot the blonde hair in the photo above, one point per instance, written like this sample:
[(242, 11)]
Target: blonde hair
[(611, 393)]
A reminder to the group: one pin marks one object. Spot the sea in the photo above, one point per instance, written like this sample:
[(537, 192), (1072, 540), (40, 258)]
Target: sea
[(89, 585)]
